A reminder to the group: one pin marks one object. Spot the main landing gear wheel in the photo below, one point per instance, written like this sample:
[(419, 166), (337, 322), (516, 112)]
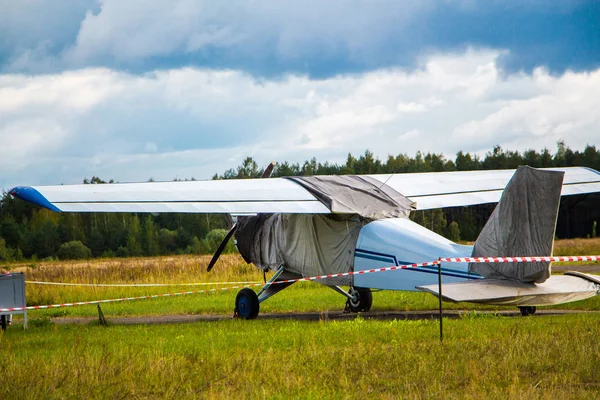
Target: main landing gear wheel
[(362, 300), (246, 304), (527, 310)]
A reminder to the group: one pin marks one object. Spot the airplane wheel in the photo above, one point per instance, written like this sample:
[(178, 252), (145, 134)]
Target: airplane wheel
[(527, 310), (363, 300), (246, 304)]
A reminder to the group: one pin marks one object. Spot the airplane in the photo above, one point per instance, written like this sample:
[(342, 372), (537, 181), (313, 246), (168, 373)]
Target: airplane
[(317, 225)]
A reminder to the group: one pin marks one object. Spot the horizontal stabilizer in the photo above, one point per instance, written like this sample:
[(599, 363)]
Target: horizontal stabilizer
[(555, 290), (591, 278)]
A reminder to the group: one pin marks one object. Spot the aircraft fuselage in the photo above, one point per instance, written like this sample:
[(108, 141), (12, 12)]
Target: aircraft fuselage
[(400, 241)]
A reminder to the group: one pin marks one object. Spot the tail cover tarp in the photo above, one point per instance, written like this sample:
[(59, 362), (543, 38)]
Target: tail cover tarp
[(522, 224)]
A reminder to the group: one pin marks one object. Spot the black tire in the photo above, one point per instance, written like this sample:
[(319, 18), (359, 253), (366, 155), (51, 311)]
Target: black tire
[(363, 302), (246, 304), (3, 319), (527, 310)]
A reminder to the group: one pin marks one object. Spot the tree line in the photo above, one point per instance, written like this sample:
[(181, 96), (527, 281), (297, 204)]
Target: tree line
[(29, 232)]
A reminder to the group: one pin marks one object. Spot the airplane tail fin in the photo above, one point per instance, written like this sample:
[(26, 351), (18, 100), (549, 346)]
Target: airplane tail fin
[(522, 224)]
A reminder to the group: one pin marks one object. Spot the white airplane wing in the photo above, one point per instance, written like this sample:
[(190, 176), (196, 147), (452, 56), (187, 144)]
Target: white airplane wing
[(280, 195), (240, 196), (464, 188)]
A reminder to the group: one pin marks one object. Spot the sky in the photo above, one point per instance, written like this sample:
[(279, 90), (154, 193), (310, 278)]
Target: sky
[(132, 90)]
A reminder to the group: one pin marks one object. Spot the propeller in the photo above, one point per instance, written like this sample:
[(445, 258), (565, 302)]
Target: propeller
[(268, 171), (221, 247), (266, 174)]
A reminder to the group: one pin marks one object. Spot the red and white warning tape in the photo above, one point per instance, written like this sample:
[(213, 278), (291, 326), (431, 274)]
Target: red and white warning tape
[(366, 271), (137, 284), (518, 259), (154, 296), (320, 277)]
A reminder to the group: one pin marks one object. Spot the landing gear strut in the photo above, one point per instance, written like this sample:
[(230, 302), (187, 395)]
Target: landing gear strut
[(527, 310), (247, 303), (361, 300)]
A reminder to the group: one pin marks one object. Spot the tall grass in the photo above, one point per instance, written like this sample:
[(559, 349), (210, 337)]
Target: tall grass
[(576, 247), (188, 269), (174, 269), (191, 269)]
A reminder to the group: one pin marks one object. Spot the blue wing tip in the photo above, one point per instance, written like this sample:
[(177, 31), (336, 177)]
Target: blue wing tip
[(31, 195)]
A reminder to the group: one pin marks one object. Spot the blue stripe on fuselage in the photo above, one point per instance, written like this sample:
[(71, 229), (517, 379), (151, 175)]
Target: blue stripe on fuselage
[(372, 255)]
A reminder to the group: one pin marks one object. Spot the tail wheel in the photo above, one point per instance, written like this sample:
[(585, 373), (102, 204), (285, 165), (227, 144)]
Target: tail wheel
[(527, 310), (362, 300), (246, 304)]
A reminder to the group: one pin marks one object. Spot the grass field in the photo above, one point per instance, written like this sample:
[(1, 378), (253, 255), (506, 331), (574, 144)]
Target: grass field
[(483, 355), (301, 297)]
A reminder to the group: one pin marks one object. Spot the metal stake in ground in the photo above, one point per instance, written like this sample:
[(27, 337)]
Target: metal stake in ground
[(101, 319), (440, 300)]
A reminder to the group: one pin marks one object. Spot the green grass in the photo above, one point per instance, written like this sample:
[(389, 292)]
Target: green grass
[(482, 357), (302, 297)]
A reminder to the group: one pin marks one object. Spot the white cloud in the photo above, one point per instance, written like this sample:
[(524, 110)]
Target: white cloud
[(563, 107), (128, 31), (76, 91), (192, 122)]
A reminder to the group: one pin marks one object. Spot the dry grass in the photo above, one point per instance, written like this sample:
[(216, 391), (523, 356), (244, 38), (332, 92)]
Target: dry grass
[(187, 269), (174, 269), (577, 247)]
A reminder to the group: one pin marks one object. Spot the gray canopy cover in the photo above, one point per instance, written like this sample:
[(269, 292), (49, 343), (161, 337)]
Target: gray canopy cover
[(522, 224), (319, 244), (355, 194)]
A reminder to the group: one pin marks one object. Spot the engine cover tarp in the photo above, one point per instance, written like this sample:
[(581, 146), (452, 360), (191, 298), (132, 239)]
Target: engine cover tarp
[(354, 194), (522, 224), (308, 245)]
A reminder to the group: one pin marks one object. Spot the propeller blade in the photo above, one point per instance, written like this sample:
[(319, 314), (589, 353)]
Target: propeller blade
[(268, 171), (221, 247)]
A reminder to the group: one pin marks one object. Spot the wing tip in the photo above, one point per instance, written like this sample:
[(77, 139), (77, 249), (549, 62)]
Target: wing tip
[(592, 170), (31, 195)]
